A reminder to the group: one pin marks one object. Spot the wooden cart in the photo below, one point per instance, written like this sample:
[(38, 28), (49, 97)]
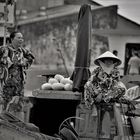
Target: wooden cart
[(86, 127)]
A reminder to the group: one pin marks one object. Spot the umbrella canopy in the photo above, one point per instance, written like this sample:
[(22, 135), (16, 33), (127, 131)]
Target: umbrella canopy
[(81, 72)]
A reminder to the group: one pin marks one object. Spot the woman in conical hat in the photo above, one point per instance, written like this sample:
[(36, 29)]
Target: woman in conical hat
[(103, 86), (105, 77)]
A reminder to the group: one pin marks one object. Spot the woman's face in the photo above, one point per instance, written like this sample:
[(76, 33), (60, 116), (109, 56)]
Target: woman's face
[(108, 62), (107, 65), (18, 40)]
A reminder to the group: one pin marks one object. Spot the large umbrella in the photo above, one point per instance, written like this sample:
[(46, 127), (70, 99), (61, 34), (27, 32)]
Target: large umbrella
[(81, 71)]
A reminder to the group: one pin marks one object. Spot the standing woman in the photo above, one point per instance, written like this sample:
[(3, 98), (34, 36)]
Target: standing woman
[(103, 86), (18, 61)]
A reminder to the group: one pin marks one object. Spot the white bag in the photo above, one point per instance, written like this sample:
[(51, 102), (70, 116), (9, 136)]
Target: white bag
[(136, 124)]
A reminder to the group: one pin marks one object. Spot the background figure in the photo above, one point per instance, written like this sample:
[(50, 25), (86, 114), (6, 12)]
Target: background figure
[(18, 60), (134, 64), (115, 52)]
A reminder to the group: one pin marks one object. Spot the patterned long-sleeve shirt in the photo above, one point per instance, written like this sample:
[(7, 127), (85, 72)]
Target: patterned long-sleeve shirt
[(107, 86), (16, 62)]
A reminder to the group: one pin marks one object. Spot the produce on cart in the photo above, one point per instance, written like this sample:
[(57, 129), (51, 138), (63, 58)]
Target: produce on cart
[(58, 82)]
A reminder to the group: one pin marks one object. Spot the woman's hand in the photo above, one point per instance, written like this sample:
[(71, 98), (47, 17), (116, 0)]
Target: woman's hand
[(99, 98)]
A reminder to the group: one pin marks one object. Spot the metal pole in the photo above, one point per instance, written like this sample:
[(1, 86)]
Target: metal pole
[(5, 23)]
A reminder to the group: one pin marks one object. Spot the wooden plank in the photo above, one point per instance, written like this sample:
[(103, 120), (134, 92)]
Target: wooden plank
[(52, 94)]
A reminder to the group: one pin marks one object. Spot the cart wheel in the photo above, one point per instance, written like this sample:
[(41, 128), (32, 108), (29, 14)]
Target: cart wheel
[(66, 129)]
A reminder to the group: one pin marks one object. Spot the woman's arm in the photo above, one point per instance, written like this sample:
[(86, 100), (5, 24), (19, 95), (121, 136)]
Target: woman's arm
[(28, 58)]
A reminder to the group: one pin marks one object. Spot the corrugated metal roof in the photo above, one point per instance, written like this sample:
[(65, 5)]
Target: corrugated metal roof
[(52, 13), (125, 26)]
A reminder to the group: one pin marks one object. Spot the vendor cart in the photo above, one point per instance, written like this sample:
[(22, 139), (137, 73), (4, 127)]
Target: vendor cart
[(51, 108), (86, 127)]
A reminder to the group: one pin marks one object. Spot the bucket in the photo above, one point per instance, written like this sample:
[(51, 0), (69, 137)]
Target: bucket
[(136, 124)]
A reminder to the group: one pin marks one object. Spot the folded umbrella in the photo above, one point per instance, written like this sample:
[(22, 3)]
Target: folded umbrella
[(81, 71)]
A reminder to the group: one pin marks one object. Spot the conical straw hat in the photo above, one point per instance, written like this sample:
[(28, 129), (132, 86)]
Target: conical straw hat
[(110, 55)]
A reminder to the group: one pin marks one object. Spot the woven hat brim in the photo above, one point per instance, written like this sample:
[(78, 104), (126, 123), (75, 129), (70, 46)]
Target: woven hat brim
[(115, 60), (108, 55)]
